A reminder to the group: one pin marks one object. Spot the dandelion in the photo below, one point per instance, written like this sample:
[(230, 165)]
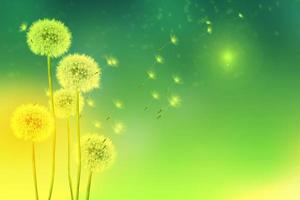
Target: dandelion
[(176, 79), (98, 155), (118, 127), (151, 75), (78, 72), (175, 101), (112, 61), (119, 104), (173, 39), (159, 59), (155, 95), (65, 103), (23, 27), (32, 122), (35, 123), (49, 38)]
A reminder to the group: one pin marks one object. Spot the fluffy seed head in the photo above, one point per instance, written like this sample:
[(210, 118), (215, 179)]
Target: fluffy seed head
[(48, 38), (98, 152), (65, 102), (78, 72), (32, 122)]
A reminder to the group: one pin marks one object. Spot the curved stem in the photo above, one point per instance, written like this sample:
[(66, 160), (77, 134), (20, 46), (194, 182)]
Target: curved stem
[(54, 134), (34, 173), (78, 146), (89, 186), (69, 159)]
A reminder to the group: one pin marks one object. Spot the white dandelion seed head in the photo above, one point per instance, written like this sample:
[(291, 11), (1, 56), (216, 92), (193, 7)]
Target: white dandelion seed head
[(98, 152), (78, 72), (65, 102)]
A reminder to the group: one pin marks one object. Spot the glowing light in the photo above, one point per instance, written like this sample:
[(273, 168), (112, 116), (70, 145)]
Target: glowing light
[(228, 57), (23, 27), (90, 102), (97, 124), (174, 39), (112, 61), (175, 101), (155, 95), (118, 127), (209, 29), (159, 59), (151, 75), (119, 104), (241, 16), (177, 79), (208, 22)]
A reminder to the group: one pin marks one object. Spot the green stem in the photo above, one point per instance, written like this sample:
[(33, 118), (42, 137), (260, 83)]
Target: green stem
[(54, 134), (78, 146), (34, 173), (88, 190), (69, 159)]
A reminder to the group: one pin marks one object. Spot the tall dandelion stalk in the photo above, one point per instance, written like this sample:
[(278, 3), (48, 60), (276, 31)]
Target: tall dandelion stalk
[(35, 123), (98, 155), (65, 102), (49, 38), (79, 73)]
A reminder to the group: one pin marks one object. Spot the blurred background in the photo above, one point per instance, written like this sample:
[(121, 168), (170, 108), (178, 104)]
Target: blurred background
[(223, 125)]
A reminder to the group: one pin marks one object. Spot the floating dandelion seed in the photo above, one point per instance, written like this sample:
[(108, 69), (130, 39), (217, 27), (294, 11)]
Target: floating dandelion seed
[(65, 103), (208, 22), (155, 95), (79, 72), (174, 39), (48, 38), (175, 101), (97, 124), (177, 79), (23, 27), (151, 75), (209, 29), (118, 127), (32, 122), (119, 104), (90, 102), (159, 59), (98, 152), (241, 15), (112, 61)]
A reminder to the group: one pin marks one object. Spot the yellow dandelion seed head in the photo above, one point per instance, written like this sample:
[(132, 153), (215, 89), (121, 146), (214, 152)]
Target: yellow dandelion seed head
[(174, 39), (32, 122), (151, 75), (23, 27), (175, 101), (49, 38), (65, 102), (97, 124), (98, 152), (90, 102), (159, 59), (118, 127), (155, 95), (78, 72), (112, 61), (177, 79), (119, 104)]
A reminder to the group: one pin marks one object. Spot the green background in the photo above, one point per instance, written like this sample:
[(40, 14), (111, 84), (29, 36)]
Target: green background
[(236, 129)]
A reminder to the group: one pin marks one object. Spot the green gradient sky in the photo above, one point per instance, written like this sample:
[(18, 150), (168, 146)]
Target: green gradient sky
[(236, 130)]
